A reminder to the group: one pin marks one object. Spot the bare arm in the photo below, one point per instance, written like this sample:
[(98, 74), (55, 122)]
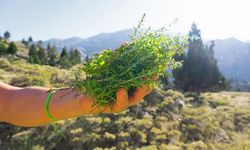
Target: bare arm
[(25, 106)]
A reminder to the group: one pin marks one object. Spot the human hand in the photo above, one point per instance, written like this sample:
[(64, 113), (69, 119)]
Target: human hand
[(123, 101)]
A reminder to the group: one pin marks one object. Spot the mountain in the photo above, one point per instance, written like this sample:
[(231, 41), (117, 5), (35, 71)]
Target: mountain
[(104, 41), (233, 58), (93, 44), (232, 55), (60, 43)]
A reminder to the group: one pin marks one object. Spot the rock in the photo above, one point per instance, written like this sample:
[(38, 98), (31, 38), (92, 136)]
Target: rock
[(154, 97)]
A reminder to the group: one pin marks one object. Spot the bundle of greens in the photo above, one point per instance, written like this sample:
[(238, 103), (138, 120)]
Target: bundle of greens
[(131, 65)]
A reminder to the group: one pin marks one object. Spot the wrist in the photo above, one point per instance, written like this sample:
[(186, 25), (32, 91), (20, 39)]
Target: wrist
[(87, 105), (65, 104), (47, 102)]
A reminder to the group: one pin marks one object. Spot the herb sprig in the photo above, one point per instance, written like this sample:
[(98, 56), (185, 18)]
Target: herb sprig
[(130, 65)]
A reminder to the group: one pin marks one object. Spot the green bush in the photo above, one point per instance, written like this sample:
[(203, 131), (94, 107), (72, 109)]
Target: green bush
[(3, 48)]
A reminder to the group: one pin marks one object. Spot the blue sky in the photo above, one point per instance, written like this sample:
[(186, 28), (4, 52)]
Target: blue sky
[(45, 19)]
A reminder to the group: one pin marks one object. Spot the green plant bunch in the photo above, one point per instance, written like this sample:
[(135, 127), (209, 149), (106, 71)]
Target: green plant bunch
[(131, 65)]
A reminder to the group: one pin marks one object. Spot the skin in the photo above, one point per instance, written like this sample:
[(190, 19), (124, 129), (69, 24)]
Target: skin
[(25, 106)]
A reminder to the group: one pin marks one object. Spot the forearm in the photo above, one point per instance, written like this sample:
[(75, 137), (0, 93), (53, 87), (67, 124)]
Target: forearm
[(26, 106)]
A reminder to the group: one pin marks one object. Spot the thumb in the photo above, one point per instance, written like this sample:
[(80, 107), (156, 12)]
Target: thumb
[(121, 100), (139, 94)]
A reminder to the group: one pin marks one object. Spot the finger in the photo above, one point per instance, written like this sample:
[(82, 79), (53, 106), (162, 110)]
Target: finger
[(155, 77), (139, 94), (149, 90), (121, 100)]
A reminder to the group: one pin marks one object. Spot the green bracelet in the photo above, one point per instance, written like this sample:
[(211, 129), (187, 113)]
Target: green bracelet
[(48, 99)]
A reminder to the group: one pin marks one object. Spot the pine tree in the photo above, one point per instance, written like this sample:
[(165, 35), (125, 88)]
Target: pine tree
[(64, 59), (52, 55), (87, 59), (12, 48), (36, 60), (32, 50), (40, 43), (26, 43), (64, 53), (75, 57), (42, 56), (180, 73), (6, 35), (195, 61), (211, 49), (33, 55), (199, 71), (30, 39), (214, 79), (78, 57)]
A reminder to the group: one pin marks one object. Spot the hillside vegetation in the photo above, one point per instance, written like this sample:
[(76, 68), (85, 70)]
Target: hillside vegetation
[(164, 120), (22, 49), (17, 72)]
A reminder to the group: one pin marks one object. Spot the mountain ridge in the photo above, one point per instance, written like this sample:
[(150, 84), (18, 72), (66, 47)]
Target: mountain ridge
[(93, 44), (232, 54)]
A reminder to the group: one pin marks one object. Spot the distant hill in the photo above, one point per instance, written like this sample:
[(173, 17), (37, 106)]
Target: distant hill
[(93, 44), (232, 55), (233, 58), (60, 43)]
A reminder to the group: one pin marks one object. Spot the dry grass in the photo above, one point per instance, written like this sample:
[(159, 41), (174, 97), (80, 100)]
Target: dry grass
[(19, 73), (220, 121), (237, 99)]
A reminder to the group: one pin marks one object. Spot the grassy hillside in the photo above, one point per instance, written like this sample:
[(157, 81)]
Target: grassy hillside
[(22, 49), (17, 72), (164, 120)]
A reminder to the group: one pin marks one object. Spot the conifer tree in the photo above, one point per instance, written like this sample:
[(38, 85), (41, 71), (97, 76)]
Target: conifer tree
[(33, 56), (87, 59), (64, 59), (6, 35), (179, 74), (12, 48), (42, 56), (199, 71), (26, 43), (30, 39), (75, 57), (52, 55), (211, 49)]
